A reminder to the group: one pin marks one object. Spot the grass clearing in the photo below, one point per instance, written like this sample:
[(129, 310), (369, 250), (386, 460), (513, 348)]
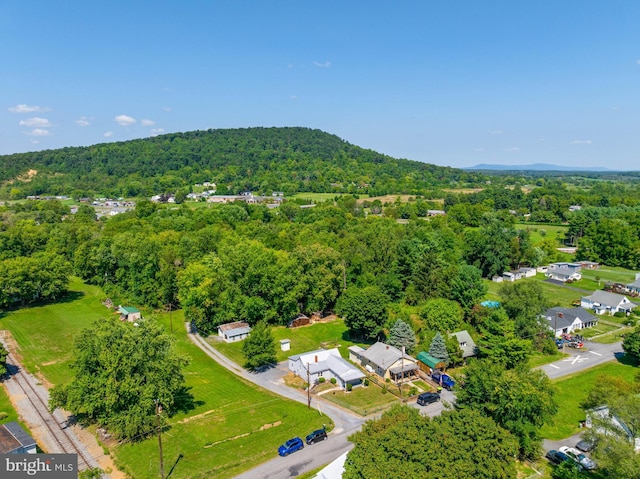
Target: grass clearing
[(537, 233), (363, 400), (315, 197), (572, 391), (231, 426), (609, 273), (330, 334), (7, 412)]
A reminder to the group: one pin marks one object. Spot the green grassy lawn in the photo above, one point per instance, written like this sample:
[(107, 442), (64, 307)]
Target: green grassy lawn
[(539, 359), (45, 334), (315, 197), (613, 337), (572, 390), (601, 328), (609, 273), (327, 335), (7, 412), (362, 400), (231, 426), (556, 294), (537, 233)]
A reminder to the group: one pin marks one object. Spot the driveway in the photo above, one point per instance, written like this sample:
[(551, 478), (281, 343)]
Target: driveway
[(311, 457), (593, 354)]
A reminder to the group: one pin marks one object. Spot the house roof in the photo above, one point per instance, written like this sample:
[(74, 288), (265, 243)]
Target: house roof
[(605, 298), (13, 437), (330, 360), (463, 337), (429, 360), (382, 355), (635, 284), (235, 325), (128, 310), (562, 271), (295, 357), (405, 368)]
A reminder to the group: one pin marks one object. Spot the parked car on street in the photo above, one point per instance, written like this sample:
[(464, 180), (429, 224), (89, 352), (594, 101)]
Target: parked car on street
[(292, 445), (585, 446), (316, 436), (428, 398), (579, 458), (557, 457)]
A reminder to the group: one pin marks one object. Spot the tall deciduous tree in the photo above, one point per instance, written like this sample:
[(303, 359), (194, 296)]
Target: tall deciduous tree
[(441, 315), (3, 360), (520, 400), (259, 348), (524, 301), (467, 287), (403, 443), (631, 344), (364, 310), (121, 370), (401, 335)]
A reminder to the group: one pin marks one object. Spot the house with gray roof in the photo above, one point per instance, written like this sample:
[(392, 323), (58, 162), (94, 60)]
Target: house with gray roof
[(387, 362), (602, 420), (466, 343), (634, 288), (236, 331), (325, 363), (564, 272), (15, 440), (569, 320), (602, 302)]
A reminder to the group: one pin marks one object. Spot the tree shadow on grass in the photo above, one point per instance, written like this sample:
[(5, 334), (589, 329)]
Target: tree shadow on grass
[(180, 456), (625, 359), (184, 400)]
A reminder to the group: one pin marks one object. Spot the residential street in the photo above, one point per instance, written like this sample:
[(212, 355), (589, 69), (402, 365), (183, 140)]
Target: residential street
[(593, 354)]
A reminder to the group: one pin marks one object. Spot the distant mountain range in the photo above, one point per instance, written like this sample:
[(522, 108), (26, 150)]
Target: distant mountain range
[(534, 167)]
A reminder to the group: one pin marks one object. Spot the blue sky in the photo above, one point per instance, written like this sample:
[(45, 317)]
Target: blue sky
[(453, 83)]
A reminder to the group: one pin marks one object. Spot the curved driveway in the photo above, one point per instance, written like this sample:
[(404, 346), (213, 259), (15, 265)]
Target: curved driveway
[(311, 457)]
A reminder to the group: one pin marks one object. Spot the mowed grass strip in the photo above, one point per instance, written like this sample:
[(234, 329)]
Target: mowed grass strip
[(363, 400), (572, 391), (231, 426), (7, 412)]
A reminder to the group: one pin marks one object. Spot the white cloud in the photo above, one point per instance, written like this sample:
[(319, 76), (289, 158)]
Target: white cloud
[(38, 132), (581, 142), (22, 108), (108, 134), (84, 121), (638, 61), (326, 64), (145, 122), (294, 97), (36, 122), (166, 108), (496, 132), (513, 149), (125, 120), (156, 131)]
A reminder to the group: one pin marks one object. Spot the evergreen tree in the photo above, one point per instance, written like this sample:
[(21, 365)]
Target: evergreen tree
[(438, 348), (401, 335), (259, 348)]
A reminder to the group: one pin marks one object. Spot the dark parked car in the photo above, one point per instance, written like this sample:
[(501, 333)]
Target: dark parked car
[(316, 436), (428, 398), (558, 457), (585, 446), (292, 445)]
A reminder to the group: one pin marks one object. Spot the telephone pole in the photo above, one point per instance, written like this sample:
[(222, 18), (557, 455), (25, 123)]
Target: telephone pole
[(158, 411), (308, 388)]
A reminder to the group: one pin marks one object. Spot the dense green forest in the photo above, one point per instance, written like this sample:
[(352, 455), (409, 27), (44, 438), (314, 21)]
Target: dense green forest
[(252, 159)]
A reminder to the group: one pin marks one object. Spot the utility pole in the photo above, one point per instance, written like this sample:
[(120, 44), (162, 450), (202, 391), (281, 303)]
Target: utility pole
[(158, 411), (170, 319), (402, 377), (308, 388)]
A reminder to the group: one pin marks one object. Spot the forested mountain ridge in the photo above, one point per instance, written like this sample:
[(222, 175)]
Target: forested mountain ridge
[(260, 159)]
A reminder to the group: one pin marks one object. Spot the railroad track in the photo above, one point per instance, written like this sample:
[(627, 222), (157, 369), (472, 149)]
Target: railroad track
[(63, 439)]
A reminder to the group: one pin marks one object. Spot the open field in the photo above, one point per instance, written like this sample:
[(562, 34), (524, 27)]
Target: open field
[(363, 400), (326, 335), (537, 233), (556, 294), (572, 390), (229, 426), (315, 197), (609, 273)]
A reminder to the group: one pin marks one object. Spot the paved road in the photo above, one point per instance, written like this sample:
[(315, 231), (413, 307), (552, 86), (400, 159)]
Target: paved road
[(593, 354), (311, 457)]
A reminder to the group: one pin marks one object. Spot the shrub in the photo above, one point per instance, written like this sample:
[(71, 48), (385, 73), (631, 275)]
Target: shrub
[(384, 389), (333, 380), (413, 391), (366, 381), (349, 386), (387, 380), (321, 379)]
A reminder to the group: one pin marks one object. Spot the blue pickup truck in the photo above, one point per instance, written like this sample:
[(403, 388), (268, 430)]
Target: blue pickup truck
[(443, 379)]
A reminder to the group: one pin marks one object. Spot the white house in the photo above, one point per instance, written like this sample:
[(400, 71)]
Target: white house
[(326, 363), (607, 423), (634, 288), (569, 320), (564, 272), (236, 331), (466, 343), (605, 302)]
